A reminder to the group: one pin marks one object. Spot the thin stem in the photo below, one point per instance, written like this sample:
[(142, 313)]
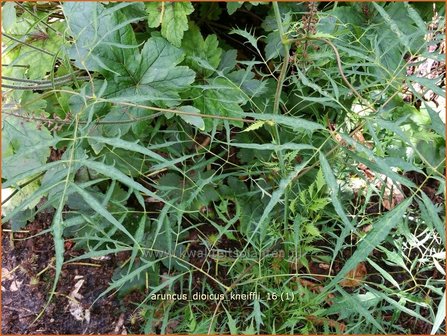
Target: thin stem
[(279, 86), (28, 45), (68, 122), (37, 17), (40, 81), (16, 65), (161, 112), (285, 63), (42, 85), (65, 78), (20, 187)]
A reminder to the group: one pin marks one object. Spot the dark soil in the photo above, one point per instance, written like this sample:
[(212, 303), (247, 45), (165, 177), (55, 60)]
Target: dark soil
[(27, 278)]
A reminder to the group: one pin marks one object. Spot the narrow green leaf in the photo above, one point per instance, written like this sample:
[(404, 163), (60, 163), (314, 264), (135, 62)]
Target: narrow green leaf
[(269, 146), (434, 84), (139, 235), (131, 146), (384, 273), (172, 163), (397, 305), (247, 35), (433, 213), (358, 307), (379, 232), (114, 173), (440, 316), (257, 314), (231, 322), (97, 206), (293, 122), (162, 218), (59, 248), (127, 278), (314, 86), (414, 15), (333, 186)]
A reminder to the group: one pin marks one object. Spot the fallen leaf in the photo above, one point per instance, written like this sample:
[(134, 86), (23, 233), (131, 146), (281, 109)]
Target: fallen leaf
[(6, 275), (172, 325), (316, 288), (320, 271), (321, 321), (120, 324), (368, 173), (367, 228), (15, 285), (358, 135), (75, 307), (355, 276), (392, 194)]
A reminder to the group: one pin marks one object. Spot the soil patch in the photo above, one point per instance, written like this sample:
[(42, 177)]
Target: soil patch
[(27, 278)]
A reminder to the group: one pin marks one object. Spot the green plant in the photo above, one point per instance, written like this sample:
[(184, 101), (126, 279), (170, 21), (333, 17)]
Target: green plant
[(224, 171)]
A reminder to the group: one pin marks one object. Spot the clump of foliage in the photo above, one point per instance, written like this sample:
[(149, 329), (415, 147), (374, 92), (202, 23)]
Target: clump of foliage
[(236, 148)]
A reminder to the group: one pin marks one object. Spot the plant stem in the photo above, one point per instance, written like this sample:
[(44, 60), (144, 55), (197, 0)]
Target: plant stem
[(40, 20), (27, 44), (16, 65), (285, 64), (44, 85), (279, 86), (64, 78), (21, 186)]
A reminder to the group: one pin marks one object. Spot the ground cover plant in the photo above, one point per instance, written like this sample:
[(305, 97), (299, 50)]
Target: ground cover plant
[(250, 168)]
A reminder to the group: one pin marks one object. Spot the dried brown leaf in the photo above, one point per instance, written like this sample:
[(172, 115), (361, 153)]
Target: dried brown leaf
[(321, 321), (355, 276)]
